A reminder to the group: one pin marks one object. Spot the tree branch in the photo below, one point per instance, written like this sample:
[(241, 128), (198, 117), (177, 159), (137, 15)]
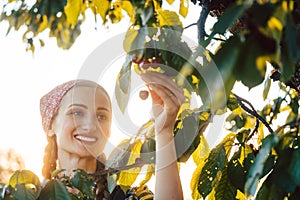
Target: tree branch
[(201, 21), (252, 111)]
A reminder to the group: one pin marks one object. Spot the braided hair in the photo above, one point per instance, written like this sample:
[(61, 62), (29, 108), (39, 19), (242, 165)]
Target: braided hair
[(50, 157)]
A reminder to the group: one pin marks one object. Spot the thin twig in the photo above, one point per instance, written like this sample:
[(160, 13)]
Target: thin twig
[(138, 163), (254, 130), (252, 111), (188, 26)]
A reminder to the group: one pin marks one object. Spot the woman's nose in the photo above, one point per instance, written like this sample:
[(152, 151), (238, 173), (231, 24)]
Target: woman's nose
[(89, 123)]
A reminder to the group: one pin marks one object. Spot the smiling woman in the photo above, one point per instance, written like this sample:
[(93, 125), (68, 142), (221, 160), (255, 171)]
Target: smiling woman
[(77, 117)]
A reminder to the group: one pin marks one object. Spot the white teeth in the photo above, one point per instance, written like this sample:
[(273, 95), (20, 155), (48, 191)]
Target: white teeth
[(86, 139)]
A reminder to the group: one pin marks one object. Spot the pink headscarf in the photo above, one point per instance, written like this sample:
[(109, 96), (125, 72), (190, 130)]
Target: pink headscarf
[(49, 103)]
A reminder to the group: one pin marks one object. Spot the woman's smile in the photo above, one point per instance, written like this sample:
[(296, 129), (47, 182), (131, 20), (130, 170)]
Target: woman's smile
[(85, 138)]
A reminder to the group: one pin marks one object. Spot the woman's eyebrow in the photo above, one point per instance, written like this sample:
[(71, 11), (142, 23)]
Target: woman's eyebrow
[(103, 108), (80, 105)]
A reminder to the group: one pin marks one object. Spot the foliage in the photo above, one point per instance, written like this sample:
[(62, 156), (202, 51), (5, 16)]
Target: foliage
[(260, 155)]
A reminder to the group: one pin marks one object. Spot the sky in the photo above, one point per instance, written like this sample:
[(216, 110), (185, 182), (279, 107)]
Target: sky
[(26, 77)]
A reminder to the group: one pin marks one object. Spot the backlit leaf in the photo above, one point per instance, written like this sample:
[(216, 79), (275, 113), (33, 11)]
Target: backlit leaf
[(195, 179), (24, 177), (202, 151), (184, 7), (128, 177), (150, 172), (102, 8), (168, 18), (72, 10)]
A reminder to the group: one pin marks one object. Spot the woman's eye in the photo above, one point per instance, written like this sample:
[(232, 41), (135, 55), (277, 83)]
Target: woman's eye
[(101, 117), (77, 113)]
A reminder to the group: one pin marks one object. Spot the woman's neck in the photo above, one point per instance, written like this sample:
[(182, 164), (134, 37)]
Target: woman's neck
[(70, 162)]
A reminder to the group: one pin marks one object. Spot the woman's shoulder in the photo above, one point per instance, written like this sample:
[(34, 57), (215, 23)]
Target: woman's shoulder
[(133, 193)]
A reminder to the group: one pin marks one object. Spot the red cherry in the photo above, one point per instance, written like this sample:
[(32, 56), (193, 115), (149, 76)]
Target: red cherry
[(144, 94), (136, 59), (155, 63), (145, 64)]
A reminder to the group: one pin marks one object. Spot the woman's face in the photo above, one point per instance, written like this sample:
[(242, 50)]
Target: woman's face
[(82, 123)]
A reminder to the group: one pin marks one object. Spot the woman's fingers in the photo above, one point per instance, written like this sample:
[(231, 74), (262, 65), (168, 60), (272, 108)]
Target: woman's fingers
[(155, 78)]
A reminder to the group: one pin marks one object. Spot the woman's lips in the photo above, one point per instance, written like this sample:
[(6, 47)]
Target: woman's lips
[(85, 138)]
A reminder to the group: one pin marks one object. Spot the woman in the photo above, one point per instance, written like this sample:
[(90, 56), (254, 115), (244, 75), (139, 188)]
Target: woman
[(76, 117)]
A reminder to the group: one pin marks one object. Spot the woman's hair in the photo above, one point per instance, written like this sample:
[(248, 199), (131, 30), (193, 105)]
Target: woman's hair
[(49, 105), (50, 157)]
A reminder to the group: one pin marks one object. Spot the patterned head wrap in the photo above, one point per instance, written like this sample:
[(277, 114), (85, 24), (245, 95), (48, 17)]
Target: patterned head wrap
[(49, 103)]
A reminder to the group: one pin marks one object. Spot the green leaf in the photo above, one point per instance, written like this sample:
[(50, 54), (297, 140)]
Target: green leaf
[(294, 168), (112, 182), (217, 79), (225, 190), (267, 87), (148, 150), (122, 88), (228, 18), (214, 164), (134, 40), (251, 63), (83, 182), (257, 167), (120, 155), (55, 189), (232, 103), (239, 165), (187, 138), (290, 48), (21, 191)]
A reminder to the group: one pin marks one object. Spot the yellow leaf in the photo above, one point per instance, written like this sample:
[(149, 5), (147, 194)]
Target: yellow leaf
[(184, 7), (150, 172), (72, 10), (201, 152), (102, 8), (115, 13), (274, 23), (170, 1), (195, 180), (168, 18), (44, 24), (127, 177), (130, 36), (26, 177), (127, 6), (240, 195)]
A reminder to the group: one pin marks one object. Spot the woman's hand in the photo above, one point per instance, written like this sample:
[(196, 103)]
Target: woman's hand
[(166, 101), (167, 98)]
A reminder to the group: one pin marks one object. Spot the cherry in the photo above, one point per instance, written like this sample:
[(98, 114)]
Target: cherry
[(137, 59), (145, 64), (144, 94)]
